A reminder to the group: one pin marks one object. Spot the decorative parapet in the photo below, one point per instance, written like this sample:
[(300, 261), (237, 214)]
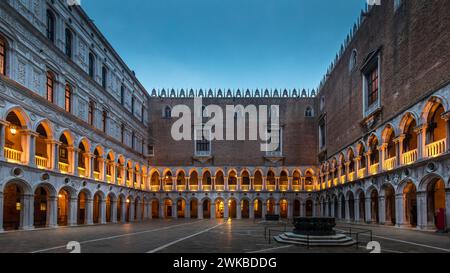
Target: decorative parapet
[(233, 93)]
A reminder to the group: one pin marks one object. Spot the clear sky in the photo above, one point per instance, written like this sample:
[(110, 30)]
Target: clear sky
[(226, 43)]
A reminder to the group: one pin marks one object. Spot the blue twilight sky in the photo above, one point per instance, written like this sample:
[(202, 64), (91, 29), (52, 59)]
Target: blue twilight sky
[(226, 43)]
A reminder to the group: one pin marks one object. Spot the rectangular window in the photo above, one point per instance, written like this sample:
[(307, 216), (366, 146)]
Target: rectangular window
[(202, 142), (2, 57), (122, 133), (69, 43), (322, 134), (50, 86), (122, 95), (91, 65), (372, 86), (104, 77), (50, 26), (150, 150), (132, 105), (91, 113), (68, 98), (142, 113)]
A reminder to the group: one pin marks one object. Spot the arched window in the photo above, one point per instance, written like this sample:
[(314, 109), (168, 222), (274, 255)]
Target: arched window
[(68, 98), (50, 86), (50, 26), (69, 43), (167, 112), (122, 95), (2, 56), (104, 76), (309, 112), (91, 65)]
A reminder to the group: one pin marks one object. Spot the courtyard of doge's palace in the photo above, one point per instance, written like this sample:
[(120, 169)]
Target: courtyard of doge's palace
[(83, 145)]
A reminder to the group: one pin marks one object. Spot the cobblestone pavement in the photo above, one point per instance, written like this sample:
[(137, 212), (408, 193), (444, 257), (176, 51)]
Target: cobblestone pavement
[(206, 236)]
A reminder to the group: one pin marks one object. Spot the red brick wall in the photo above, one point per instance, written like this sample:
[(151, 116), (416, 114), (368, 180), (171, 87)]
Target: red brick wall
[(415, 60), (299, 141)]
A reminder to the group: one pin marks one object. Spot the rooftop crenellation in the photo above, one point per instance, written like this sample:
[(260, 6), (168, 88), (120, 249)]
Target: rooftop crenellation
[(233, 93)]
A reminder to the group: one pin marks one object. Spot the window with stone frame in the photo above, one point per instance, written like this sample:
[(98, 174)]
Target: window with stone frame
[(2, 56), (371, 83)]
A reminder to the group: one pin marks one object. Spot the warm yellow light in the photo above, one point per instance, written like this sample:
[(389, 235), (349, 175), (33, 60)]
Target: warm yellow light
[(13, 130), (60, 196), (128, 201)]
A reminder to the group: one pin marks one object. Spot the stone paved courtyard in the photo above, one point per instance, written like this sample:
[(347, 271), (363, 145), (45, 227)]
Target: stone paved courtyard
[(204, 236)]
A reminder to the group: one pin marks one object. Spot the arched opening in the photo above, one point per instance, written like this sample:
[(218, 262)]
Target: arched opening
[(351, 206), (410, 204), (168, 183), (270, 207), (342, 201), (128, 210), (110, 167), (245, 181), (374, 206), (13, 206), (232, 181), (389, 201), (362, 207), (63, 154), (245, 209), (309, 208), (137, 202), (63, 207), (120, 171), (129, 174), (82, 159), (374, 156), (258, 181), (296, 181), (362, 161), (207, 181), (284, 181), (220, 209), (43, 147), (194, 209), (41, 207), (309, 182), (109, 208), (436, 203), (410, 141), (181, 205), (257, 209), (168, 209), (154, 182), (219, 183), (155, 209), (120, 216), (270, 181), (284, 209), (351, 165), (206, 209), (15, 139), (297, 208), (181, 181), (97, 163), (232, 212), (193, 181), (436, 131), (96, 213), (390, 155), (82, 209)]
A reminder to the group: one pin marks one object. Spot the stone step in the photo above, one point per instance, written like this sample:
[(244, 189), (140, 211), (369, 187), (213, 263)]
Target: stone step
[(338, 240)]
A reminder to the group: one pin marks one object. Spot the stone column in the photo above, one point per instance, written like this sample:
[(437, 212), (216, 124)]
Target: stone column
[(161, 210), (422, 213), (102, 167), (332, 209), (113, 212), (213, 210), (264, 210), (251, 208), (56, 155), (347, 210), (187, 210), (73, 211), (238, 210), (421, 140), (52, 220), (3, 125), (138, 211), (382, 210), (277, 208), (90, 159), (89, 211), (200, 209), (132, 212), (290, 211), (446, 117), (32, 148), (28, 212), (357, 216), (399, 149), (174, 210), (368, 207), (340, 216), (399, 210), (102, 212), (226, 210), (76, 152)]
